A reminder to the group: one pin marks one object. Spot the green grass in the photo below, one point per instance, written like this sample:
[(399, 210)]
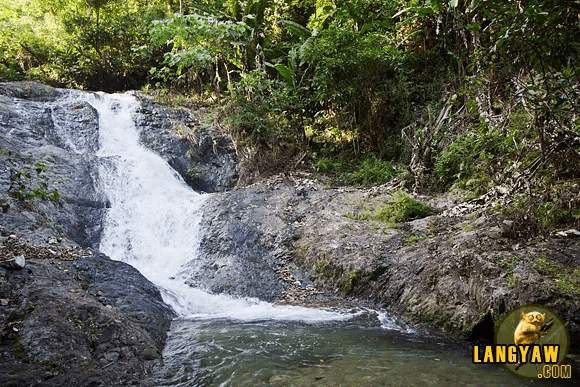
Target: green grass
[(403, 208), (412, 239), (366, 172), (567, 280), (320, 266), (371, 171), (468, 228)]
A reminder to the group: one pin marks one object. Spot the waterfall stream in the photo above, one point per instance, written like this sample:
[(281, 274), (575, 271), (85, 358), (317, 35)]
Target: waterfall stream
[(152, 224)]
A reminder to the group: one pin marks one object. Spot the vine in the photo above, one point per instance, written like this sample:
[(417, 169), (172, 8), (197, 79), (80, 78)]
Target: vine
[(26, 182)]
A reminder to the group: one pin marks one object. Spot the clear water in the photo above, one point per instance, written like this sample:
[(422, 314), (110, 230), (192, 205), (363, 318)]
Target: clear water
[(350, 353), (153, 223)]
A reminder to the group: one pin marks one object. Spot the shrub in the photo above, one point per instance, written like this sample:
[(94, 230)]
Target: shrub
[(403, 208), (371, 171)]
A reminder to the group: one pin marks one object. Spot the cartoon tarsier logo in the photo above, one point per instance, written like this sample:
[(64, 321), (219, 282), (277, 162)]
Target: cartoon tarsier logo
[(531, 328), (535, 342)]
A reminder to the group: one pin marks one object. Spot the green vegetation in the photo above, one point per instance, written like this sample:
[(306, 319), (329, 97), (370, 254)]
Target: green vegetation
[(567, 280), (97, 44), (508, 263), (320, 266), (351, 280), (26, 183), (368, 171), (87, 324), (30, 306), (402, 208), (93, 331), (17, 348), (412, 239), (468, 228), (438, 94), (300, 252)]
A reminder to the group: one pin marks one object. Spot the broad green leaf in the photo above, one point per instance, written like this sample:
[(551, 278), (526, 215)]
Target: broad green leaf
[(285, 72)]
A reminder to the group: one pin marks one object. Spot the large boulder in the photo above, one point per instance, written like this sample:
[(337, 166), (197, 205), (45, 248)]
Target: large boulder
[(48, 149), (74, 318), (204, 158)]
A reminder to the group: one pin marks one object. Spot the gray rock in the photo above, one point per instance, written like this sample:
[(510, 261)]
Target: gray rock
[(207, 162), (51, 336), (123, 287), (16, 263), (285, 242), (30, 90), (572, 233), (59, 318), (41, 130), (36, 126)]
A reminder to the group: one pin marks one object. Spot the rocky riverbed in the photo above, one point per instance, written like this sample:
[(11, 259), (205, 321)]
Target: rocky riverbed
[(72, 316)]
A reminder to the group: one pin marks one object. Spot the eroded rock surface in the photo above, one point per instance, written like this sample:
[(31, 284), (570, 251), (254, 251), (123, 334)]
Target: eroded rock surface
[(40, 133), (39, 124), (458, 273), (68, 317)]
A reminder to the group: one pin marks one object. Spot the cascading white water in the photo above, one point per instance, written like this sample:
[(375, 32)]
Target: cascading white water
[(153, 221)]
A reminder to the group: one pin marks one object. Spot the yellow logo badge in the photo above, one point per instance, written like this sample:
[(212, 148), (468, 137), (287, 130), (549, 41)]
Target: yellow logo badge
[(532, 342)]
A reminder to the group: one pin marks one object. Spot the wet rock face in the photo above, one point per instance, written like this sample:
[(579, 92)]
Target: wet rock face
[(29, 90), (38, 124), (65, 320), (121, 286), (75, 127), (206, 161), (239, 251), (63, 137)]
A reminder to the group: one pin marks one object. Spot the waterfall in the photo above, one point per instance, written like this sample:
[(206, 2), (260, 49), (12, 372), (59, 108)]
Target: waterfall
[(153, 221)]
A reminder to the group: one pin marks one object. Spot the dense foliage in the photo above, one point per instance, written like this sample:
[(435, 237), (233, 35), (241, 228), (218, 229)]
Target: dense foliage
[(97, 44), (470, 94)]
